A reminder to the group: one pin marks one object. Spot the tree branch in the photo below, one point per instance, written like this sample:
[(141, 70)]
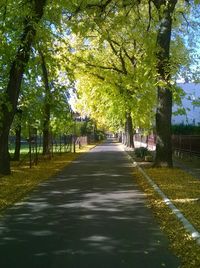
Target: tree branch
[(114, 68), (122, 61), (98, 76), (132, 59), (187, 22), (119, 55), (102, 6), (150, 16)]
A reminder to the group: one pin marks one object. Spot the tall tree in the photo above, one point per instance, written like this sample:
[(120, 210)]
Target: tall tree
[(163, 25), (116, 55), (165, 10), (17, 68), (47, 107)]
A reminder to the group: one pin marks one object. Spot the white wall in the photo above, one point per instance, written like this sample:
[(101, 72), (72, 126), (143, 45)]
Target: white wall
[(192, 116)]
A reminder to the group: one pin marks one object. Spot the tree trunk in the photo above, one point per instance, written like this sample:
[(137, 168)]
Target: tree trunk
[(164, 95), (16, 156), (129, 131), (47, 108), (4, 154), (18, 129), (46, 139), (14, 82)]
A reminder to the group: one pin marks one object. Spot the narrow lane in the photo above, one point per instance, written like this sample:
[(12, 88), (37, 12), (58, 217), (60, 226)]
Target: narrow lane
[(91, 215)]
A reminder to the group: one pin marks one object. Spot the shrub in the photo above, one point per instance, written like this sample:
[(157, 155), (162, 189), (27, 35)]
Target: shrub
[(141, 152), (185, 129)]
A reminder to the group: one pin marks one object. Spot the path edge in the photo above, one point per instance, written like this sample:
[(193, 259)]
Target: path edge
[(181, 218)]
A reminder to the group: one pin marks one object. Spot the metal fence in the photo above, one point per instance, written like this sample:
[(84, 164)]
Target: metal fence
[(186, 144), (31, 148), (180, 143)]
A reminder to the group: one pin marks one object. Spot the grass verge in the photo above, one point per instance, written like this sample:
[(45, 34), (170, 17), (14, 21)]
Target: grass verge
[(184, 192), (23, 179)]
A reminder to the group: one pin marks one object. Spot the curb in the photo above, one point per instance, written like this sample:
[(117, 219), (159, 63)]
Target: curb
[(186, 224)]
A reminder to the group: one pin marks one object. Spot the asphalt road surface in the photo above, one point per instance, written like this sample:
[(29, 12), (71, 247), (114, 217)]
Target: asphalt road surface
[(91, 215)]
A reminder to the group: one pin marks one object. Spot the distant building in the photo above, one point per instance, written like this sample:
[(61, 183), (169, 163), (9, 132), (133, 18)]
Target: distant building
[(190, 104)]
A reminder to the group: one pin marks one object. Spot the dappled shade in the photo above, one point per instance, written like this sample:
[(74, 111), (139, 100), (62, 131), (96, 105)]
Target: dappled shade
[(91, 215)]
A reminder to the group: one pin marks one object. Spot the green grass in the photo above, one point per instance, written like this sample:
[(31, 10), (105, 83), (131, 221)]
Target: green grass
[(184, 192), (25, 149)]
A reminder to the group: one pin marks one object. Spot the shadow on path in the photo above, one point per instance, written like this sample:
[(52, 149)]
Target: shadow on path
[(91, 215)]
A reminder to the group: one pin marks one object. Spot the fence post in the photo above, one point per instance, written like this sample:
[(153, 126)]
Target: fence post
[(30, 156), (60, 140), (36, 148), (52, 150), (179, 150)]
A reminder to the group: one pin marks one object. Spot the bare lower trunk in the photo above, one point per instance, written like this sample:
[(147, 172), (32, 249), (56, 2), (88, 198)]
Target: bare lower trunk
[(163, 129), (16, 156), (18, 129), (164, 107), (46, 142), (129, 131), (4, 154)]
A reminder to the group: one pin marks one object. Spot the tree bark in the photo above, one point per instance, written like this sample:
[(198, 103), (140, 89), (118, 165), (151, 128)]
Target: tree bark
[(12, 91), (129, 131), (18, 129), (47, 108), (164, 95)]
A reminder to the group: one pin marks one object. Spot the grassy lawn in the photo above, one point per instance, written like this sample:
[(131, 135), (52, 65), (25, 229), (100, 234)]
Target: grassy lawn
[(184, 192), (23, 179), (25, 148)]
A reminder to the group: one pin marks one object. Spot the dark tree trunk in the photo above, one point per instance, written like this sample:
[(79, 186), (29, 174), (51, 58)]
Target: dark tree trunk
[(47, 108), (164, 95), (14, 82), (4, 154), (129, 131), (16, 156), (18, 129)]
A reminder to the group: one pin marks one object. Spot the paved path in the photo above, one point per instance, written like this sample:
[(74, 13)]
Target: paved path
[(91, 215)]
